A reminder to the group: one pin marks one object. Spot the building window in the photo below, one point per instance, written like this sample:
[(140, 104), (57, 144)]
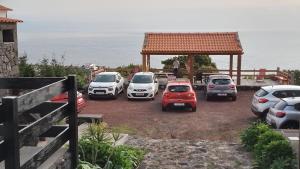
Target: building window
[(8, 35)]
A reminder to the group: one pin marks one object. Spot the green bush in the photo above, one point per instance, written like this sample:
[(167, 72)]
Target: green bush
[(275, 154), (264, 140), (250, 136), (95, 148)]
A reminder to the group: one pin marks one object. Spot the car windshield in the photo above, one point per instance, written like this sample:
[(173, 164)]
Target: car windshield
[(142, 79), (105, 78), (221, 81), (178, 88), (261, 93)]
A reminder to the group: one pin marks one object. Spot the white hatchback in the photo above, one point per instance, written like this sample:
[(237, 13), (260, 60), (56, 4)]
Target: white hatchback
[(143, 85), (106, 84), (268, 96)]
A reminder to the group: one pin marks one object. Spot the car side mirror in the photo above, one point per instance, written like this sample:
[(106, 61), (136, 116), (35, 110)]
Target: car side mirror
[(155, 81), (118, 81)]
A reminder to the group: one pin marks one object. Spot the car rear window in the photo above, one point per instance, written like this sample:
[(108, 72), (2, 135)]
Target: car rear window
[(221, 81), (261, 93), (179, 88), (280, 105)]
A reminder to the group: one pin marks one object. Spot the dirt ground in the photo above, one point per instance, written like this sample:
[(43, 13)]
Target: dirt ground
[(221, 119)]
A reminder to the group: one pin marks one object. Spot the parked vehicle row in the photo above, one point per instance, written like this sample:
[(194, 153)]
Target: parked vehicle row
[(279, 105)]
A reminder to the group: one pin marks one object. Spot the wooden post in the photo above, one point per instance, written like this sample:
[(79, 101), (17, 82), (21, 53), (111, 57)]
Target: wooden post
[(73, 121), (11, 137), (148, 63), (230, 65), (239, 65), (191, 71), (144, 63)]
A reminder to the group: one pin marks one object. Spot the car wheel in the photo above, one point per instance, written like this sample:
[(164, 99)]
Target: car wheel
[(194, 109), (233, 98), (116, 94), (153, 98), (91, 97), (129, 99), (163, 108)]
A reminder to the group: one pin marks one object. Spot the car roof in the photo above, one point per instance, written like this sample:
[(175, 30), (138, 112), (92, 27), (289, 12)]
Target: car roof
[(292, 100), (281, 87), (144, 73), (219, 76), (108, 73)]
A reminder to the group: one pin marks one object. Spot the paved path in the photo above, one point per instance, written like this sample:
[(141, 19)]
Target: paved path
[(182, 154)]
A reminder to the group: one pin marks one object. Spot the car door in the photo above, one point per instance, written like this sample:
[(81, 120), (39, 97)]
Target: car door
[(119, 85), (293, 111), (121, 82)]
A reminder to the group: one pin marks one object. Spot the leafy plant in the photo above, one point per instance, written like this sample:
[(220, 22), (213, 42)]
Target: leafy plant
[(275, 151), (249, 137)]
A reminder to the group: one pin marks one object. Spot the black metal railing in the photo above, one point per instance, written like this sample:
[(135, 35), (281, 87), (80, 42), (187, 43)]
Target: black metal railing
[(13, 134)]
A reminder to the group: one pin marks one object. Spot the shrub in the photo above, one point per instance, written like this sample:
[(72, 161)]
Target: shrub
[(276, 154), (264, 140), (250, 136), (97, 149)]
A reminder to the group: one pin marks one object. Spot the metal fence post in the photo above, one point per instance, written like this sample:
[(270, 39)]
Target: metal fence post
[(73, 121), (11, 136)]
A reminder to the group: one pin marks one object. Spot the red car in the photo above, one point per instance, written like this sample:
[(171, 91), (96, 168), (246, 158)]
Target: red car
[(179, 94), (64, 98)]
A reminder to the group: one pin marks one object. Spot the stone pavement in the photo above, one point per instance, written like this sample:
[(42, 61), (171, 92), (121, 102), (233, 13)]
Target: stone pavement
[(183, 154)]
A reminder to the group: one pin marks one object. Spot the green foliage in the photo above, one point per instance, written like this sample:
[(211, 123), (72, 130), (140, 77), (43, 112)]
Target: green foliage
[(250, 136), (270, 149), (87, 165), (297, 77), (126, 70), (264, 139), (97, 149), (278, 151), (25, 69), (52, 68), (200, 62)]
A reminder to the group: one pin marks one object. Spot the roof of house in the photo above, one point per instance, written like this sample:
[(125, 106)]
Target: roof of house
[(3, 8), (218, 43), (9, 20)]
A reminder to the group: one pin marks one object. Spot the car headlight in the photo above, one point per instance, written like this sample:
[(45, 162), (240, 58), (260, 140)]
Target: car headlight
[(90, 88), (130, 88), (110, 88)]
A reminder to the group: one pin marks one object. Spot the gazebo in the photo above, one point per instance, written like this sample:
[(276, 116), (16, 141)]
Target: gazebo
[(193, 44)]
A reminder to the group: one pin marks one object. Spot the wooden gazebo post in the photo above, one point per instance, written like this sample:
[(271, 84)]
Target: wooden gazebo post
[(230, 65), (144, 62), (191, 67), (148, 63), (239, 65)]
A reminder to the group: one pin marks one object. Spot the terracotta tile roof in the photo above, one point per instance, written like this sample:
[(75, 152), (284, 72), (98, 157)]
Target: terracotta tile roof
[(5, 8), (221, 43), (9, 20)]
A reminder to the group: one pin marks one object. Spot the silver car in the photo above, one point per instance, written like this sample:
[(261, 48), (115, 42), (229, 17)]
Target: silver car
[(220, 86), (268, 96), (285, 114)]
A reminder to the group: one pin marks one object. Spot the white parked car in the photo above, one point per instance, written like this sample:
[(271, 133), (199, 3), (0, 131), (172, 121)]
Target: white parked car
[(106, 84), (268, 96), (285, 114), (143, 85)]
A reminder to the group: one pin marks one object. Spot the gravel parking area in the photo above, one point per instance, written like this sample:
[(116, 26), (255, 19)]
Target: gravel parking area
[(220, 119)]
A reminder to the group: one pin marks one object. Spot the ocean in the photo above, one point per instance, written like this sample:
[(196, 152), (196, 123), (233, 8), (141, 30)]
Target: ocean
[(113, 47)]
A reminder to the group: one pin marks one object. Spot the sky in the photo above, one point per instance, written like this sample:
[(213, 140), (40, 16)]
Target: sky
[(258, 21)]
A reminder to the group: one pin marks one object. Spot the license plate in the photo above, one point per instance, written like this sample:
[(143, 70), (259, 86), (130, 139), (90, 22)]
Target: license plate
[(222, 94), (178, 104), (100, 93), (140, 94)]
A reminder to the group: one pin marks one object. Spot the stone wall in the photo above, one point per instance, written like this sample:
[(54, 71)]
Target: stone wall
[(8, 60)]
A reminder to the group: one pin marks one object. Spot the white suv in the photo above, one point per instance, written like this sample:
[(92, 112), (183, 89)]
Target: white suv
[(143, 85), (268, 96), (106, 84)]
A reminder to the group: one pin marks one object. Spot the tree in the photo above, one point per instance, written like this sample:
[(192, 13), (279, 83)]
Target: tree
[(25, 69), (200, 62)]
